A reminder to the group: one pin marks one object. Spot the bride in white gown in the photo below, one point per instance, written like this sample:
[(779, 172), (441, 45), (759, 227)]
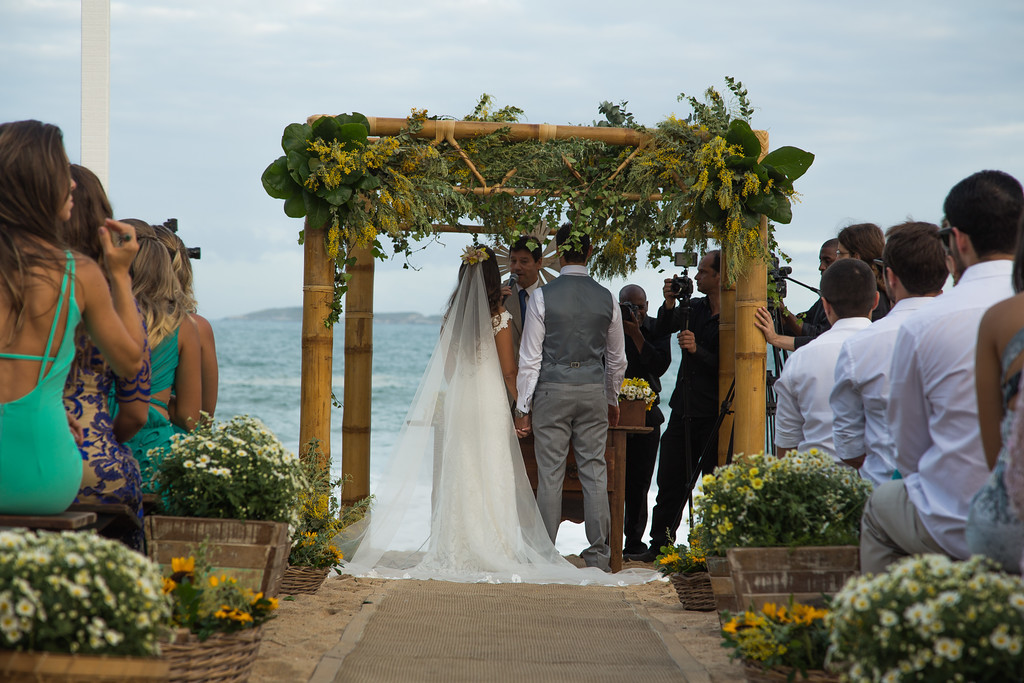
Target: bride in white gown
[(455, 503)]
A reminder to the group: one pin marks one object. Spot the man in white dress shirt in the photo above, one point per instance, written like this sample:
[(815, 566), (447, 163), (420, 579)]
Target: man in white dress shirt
[(572, 360), (914, 267), (803, 417), (933, 407)]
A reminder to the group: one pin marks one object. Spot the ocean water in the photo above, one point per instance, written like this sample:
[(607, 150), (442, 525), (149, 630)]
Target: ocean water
[(260, 363)]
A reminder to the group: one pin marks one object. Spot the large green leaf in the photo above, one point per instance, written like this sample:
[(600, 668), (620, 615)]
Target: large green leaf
[(338, 195), (276, 180), (762, 203), (352, 132), (783, 211), (368, 182), (778, 177), (739, 133), (298, 166), (742, 163), (318, 212), (327, 129), (296, 138), (354, 117), (790, 161), (295, 206)]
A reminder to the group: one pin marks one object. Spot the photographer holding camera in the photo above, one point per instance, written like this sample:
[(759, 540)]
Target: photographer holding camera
[(691, 426), (648, 356)]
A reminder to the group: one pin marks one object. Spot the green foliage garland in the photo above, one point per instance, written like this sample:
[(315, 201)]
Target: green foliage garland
[(701, 177)]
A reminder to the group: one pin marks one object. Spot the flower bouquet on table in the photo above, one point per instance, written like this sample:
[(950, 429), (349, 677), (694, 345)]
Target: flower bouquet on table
[(635, 398), (687, 569), (785, 525), (80, 605), (234, 484), (780, 643), (321, 520), (929, 618), (217, 622)]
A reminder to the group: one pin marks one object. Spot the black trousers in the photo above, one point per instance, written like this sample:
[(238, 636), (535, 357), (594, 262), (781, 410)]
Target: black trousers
[(675, 472), (641, 455)]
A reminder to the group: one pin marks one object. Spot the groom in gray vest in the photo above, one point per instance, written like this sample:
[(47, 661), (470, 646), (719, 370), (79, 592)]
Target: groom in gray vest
[(571, 364)]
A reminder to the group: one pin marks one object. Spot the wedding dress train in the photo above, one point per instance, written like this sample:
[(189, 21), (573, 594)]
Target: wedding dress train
[(455, 503)]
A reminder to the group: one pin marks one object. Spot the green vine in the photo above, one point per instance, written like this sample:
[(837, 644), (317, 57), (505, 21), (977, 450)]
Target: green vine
[(705, 171)]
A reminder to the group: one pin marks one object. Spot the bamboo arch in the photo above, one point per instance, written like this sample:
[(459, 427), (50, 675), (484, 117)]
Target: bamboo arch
[(742, 353)]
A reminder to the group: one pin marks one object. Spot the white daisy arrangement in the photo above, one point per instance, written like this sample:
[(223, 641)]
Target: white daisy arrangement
[(930, 618), (636, 389), (230, 470), (75, 592)]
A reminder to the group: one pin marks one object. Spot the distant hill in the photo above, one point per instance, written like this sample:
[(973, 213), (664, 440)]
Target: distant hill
[(294, 314)]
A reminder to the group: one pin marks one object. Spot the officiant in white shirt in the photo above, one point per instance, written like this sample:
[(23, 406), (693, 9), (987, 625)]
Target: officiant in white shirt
[(914, 268), (934, 408)]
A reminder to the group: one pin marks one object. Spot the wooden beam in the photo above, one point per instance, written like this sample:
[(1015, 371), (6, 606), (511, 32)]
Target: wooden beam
[(726, 353), (516, 132), (355, 425), (317, 345)]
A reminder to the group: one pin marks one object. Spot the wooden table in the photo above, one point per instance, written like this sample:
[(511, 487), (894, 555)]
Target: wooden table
[(572, 491), (65, 521)]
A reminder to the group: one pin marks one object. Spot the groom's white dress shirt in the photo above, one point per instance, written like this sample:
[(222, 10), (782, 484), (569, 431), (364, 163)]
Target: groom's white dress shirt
[(934, 407), (532, 345), (860, 398)]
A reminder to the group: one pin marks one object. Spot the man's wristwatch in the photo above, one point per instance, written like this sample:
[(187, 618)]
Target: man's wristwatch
[(518, 413)]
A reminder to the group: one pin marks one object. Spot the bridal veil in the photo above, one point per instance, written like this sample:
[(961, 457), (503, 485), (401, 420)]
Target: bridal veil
[(455, 503)]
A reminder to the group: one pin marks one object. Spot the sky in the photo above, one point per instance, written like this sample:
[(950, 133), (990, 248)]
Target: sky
[(897, 100)]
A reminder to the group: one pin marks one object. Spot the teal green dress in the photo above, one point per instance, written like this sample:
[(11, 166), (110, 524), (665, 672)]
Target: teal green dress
[(158, 430), (40, 466)]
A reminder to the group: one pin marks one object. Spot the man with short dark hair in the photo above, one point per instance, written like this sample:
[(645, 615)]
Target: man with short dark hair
[(570, 373), (648, 356), (803, 418), (933, 407), (525, 263), (694, 401), (914, 267)]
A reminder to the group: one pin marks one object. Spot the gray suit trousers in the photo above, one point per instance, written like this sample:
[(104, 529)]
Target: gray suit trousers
[(564, 413)]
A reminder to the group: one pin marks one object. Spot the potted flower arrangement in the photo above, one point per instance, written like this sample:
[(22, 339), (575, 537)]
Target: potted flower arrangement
[(78, 607), (234, 484), (687, 569), (786, 525), (780, 643), (635, 398), (321, 519), (929, 618), (217, 622)]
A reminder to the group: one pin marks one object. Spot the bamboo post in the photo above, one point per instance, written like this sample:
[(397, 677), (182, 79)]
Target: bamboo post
[(751, 351), (726, 353), (355, 425), (317, 345)]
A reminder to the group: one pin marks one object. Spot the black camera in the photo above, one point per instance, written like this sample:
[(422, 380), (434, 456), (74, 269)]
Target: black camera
[(682, 285), (630, 311), (172, 225), (778, 275)]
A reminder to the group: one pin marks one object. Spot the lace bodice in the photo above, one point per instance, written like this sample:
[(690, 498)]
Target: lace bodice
[(500, 321)]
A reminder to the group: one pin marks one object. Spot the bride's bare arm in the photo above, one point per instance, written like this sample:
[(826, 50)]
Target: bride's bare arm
[(507, 359)]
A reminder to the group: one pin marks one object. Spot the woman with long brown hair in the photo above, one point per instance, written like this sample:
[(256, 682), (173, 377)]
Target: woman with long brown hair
[(45, 290), (110, 473), (865, 241)]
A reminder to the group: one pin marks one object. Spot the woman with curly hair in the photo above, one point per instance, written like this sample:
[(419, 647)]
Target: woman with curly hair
[(175, 355)]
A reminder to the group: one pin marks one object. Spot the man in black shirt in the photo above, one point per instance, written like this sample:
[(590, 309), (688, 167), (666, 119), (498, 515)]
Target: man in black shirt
[(694, 401), (648, 356)]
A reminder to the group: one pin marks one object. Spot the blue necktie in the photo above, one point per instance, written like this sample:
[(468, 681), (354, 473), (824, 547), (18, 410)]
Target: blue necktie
[(522, 307)]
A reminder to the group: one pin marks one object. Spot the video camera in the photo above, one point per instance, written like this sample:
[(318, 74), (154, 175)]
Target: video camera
[(172, 225), (778, 275), (682, 285)]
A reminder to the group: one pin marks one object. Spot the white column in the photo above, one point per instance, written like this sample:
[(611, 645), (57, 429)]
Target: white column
[(96, 88)]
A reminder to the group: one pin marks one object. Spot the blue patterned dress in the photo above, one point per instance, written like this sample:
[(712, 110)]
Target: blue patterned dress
[(110, 473)]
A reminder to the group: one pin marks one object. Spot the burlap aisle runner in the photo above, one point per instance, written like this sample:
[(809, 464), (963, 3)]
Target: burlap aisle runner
[(438, 631)]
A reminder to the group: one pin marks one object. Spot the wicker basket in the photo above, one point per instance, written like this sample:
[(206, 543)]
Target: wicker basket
[(302, 580), (694, 591), (756, 674), (222, 658), (49, 667)]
